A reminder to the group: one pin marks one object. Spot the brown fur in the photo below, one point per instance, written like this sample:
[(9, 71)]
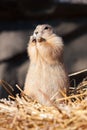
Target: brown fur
[(46, 74)]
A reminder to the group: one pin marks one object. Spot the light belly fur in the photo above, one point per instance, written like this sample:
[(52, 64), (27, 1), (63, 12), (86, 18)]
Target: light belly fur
[(45, 80)]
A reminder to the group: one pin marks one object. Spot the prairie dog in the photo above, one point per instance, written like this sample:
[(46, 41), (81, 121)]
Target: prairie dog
[(46, 74)]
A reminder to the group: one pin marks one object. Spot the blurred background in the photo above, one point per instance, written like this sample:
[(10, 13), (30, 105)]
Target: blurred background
[(18, 19)]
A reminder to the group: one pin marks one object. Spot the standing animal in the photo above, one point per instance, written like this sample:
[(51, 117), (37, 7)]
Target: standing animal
[(46, 75)]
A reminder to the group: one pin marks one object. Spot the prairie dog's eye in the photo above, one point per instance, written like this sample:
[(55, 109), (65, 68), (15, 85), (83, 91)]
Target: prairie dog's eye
[(46, 28)]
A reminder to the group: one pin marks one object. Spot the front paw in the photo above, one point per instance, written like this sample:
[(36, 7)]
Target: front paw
[(33, 41)]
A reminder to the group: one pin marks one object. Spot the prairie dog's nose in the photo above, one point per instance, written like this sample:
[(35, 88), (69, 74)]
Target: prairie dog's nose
[(36, 32)]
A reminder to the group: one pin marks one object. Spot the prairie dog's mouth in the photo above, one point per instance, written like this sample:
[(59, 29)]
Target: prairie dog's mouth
[(41, 39), (38, 40), (34, 40)]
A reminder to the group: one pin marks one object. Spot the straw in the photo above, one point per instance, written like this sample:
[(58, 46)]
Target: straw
[(25, 113)]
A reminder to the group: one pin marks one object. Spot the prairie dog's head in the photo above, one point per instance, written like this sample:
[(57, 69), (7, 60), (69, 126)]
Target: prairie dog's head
[(44, 43), (44, 31)]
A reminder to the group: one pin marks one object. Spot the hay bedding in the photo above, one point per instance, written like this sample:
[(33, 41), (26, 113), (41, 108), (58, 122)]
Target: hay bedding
[(24, 113)]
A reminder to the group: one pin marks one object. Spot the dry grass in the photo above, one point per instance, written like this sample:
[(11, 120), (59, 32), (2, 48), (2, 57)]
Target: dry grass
[(24, 113)]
